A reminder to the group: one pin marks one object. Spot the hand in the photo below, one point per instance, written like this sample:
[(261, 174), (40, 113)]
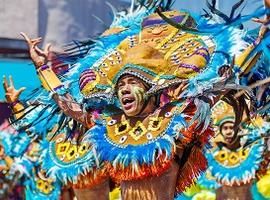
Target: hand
[(261, 21), (264, 22), (263, 28), (38, 56), (176, 92), (225, 71), (12, 95)]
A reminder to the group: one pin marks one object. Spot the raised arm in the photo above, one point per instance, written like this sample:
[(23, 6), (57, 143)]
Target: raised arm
[(52, 83), (12, 97)]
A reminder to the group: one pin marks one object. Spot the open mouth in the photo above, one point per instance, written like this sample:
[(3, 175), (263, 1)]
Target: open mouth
[(229, 138), (128, 102)]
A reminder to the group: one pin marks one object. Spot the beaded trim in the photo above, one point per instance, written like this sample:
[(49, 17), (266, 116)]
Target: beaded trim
[(154, 90), (149, 142), (189, 66), (167, 39), (102, 59)]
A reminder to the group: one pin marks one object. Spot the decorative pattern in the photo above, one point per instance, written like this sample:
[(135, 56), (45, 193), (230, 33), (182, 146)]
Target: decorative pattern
[(236, 167), (67, 160)]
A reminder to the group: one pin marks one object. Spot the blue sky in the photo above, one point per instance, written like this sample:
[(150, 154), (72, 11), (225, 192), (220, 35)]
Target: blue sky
[(23, 73)]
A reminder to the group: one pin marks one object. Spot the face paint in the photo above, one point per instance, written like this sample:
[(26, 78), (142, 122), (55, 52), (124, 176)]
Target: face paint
[(132, 99)]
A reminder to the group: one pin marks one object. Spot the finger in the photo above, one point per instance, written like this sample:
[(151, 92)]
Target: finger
[(179, 88), (39, 51), (27, 39), (11, 83), (36, 39), (185, 87), (35, 42), (5, 83), (257, 20), (47, 48), (20, 91)]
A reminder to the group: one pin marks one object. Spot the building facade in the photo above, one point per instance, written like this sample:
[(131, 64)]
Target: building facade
[(58, 22)]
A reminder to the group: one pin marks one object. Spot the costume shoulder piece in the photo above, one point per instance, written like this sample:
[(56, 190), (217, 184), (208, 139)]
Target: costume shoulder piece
[(141, 148), (225, 165), (71, 161)]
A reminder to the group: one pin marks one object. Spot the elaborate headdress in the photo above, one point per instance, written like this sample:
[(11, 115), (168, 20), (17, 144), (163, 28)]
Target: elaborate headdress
[(159, 61), (222, 112)]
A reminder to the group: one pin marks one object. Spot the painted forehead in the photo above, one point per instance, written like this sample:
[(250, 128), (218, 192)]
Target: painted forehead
[(155, 19)]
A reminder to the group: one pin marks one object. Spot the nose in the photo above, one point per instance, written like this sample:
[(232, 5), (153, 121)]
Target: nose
[(125, 90)]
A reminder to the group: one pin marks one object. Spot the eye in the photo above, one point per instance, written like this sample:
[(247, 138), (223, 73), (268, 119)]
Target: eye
[(168, 114), (59, 140), (123, 139), (120, 85), (134, 82), (112, 122), (149, 136), (77, 155)]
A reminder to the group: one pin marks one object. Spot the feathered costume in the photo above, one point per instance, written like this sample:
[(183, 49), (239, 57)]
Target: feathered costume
[(91, 139), (238, 167), (25, 171)]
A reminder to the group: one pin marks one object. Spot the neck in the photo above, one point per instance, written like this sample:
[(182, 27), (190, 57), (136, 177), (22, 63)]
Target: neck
[(148, 109), (235, 144)]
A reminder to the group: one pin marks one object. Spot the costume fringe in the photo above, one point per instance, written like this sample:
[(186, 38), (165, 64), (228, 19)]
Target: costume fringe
[(122, 173), (192, 169), (91, 179), (196, 162)]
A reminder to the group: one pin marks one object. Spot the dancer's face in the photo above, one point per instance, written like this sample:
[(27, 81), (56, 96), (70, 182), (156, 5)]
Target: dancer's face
[(227, 130), (131, 94)]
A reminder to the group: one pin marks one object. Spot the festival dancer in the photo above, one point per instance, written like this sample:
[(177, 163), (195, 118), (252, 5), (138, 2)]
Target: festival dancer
[(238, 156), (23, 172)]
